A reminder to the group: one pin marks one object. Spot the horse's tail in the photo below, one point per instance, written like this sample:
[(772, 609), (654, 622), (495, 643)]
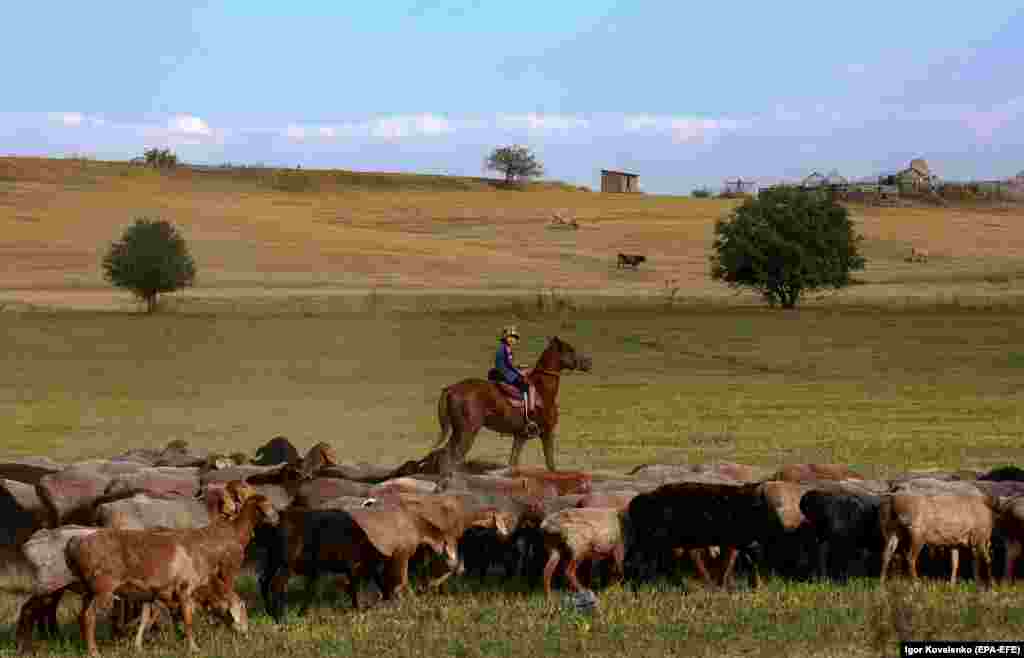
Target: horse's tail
[(443, 419)]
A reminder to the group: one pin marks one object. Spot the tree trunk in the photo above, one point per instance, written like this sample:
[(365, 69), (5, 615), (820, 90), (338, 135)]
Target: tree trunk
[(150, 302)]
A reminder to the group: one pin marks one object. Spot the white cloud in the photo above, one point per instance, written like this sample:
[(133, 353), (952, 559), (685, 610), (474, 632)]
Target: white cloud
[(189, 125), (542, 124), (683, 129), (856, 69), (70, 119), (394, 127)]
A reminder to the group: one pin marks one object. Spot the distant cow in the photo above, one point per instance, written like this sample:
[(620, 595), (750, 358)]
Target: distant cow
[(630, 260), (917, 255)]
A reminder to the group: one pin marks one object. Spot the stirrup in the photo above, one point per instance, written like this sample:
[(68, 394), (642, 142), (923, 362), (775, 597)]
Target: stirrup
[(532, 428)]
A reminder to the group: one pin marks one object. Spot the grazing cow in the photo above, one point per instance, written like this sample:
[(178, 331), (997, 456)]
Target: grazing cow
[(275, 452), (918, 255), (574, 536), (938, 520), (845, 524), (698, 515), (164, 565), (630, 260)]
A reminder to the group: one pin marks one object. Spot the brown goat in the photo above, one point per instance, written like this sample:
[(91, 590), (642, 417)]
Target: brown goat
[(937, 520), (167, 565)]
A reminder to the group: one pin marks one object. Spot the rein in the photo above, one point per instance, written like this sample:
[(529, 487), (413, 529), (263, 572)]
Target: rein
[(553, 373)]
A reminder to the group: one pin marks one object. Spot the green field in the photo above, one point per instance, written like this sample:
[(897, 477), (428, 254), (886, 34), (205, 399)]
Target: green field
[(337, 312), (882, 391)]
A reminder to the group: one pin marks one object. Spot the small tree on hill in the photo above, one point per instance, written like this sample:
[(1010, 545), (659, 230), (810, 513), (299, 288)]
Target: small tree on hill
[(150, 258), (784, 243), (515, 162), (701, 193), (160, 158)]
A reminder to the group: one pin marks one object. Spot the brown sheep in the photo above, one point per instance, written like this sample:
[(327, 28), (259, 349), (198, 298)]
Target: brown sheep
[(811, 472), (581, 535), (169, 565), (937, 520)]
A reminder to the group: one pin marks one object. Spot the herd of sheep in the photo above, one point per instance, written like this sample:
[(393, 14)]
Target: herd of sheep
[(177, 525)]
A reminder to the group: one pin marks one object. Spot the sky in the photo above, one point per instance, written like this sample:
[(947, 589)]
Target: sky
[(684, 95)]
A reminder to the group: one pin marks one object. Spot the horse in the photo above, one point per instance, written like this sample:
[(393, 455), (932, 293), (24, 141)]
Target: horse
[(463, 409)]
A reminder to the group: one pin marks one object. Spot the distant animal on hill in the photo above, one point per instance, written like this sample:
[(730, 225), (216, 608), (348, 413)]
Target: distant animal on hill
[(917, 255), (630, 260)]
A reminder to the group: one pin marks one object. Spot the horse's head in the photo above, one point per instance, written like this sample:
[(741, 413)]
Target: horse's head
[(568, 358)]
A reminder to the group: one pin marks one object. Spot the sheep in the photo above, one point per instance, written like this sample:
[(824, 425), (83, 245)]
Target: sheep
[(168, 565), (584, 534), (937, 520)]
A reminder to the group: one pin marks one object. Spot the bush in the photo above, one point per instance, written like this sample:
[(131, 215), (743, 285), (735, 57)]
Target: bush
[(786, 242), (150, 258), (701, 193)]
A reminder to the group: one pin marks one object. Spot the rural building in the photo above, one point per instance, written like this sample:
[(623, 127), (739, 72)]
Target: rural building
[(619, 181), (813, 181), (917, 177)]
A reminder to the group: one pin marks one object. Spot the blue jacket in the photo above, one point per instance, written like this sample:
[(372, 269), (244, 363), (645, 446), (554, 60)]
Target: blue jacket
[(503, 362)]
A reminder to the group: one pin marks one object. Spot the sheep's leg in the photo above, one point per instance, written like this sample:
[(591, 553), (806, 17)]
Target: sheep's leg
[(186, 617), (570, 574), (619, 562), (87, 619), (554, 557), (890, 548), (697, 556), (982, 553), (913, 553), (1013, 552), (312, 575), (730, 564), (145, 617), (954, 560), (279, 595)]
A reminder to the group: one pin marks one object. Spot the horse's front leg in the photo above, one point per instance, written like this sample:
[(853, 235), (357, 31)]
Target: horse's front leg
[(548, 441), (517, 450)]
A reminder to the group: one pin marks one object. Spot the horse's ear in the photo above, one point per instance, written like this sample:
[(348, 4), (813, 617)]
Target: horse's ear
[(555, 340)]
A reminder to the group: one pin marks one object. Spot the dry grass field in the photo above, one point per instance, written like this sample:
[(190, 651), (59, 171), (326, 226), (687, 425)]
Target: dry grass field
[(337, 312)]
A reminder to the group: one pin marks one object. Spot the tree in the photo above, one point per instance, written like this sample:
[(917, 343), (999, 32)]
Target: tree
[(515, 162), (701, 193), (785, 242), (150, 258), (160, 158)]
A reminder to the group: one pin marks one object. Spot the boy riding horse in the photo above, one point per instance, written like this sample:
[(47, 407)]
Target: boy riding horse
[(506, 370)]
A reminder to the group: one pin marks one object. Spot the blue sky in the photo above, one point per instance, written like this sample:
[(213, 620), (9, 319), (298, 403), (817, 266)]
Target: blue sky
[(685, 95)]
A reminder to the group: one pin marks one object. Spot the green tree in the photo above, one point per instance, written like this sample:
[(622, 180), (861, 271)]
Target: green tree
[(515, 162), (150, 258), (160, 158), (701, 193), (786, 242)]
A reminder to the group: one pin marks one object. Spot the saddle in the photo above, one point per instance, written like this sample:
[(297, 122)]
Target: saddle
[(511, 393)]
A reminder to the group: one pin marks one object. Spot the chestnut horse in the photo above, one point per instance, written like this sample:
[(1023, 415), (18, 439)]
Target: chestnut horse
[(472, 404)]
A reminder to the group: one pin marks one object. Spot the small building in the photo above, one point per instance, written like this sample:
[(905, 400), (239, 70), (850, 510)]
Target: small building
[(815, 180), (619, 181), (917, 177)]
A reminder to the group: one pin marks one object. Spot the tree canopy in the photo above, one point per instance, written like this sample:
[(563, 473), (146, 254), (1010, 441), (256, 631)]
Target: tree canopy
[(515, 162), (150, 258), (784, 243)]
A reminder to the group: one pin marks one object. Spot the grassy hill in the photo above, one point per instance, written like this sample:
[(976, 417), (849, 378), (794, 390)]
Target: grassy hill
[(261, 234)]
